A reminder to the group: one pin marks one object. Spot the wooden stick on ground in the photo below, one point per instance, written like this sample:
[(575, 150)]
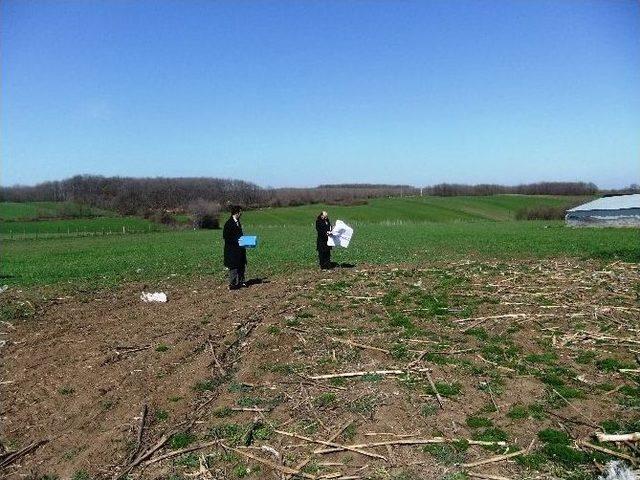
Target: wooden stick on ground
[(250, 409), (493, 400), (574, 408), (566, 419), (435, 390), (274, 466), (487, 476), (303, 463), (127, 350), (624, 437), (473, 325), (18, 454), (491, 317), (150, 451), (359, 345), (357, 374), (453, 352), (332, 444), (410, 441), (498, 458), (607, 451), (423, 353), (143, 418), (221, 369), (495, 364), (180, 452)]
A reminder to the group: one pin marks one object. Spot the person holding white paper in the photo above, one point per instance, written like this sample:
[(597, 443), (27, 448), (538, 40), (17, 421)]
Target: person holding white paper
[(341, 235), (323, 229)]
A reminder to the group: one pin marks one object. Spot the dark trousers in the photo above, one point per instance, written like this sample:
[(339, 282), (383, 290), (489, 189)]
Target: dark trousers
[(324, 258), (236, 277)]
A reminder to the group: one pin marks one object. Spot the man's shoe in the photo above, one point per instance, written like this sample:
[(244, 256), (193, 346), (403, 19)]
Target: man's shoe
[(243, 285)]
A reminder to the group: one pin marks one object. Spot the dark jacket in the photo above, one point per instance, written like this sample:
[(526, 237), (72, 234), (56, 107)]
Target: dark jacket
[(235, 256), (322, 227)]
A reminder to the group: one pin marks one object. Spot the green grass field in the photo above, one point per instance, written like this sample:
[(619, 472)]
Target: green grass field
[(44, 219), (106, 261), (29, 211), (414, 209), (48, 219), (394, 230), (78, 226)]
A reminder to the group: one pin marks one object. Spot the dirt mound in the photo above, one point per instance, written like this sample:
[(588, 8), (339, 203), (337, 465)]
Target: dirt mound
[(512, 351)]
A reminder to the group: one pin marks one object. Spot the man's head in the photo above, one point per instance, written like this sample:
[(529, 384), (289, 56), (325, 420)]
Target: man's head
[(236, 211), (324, 215)]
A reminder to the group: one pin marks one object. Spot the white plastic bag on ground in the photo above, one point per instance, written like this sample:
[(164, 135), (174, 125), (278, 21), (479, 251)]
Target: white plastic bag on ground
[(340, 235), (617, 470), (153, 297)]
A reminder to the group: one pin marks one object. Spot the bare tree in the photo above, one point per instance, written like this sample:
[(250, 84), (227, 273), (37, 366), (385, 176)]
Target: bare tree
[(205, 214), (541, 188), (148, 196)]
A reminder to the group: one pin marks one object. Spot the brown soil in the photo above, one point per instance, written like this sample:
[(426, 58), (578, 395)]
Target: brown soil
[(80, 370)]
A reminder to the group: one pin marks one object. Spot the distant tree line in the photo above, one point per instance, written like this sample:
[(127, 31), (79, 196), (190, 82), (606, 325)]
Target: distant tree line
[(203, 197), (541, 188), (334, 194), (135, 195), (147, 196), (633, 188)]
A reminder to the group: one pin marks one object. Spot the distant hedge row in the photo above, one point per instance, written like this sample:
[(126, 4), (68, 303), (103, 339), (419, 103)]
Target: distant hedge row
[(147, 196), (542, 212)]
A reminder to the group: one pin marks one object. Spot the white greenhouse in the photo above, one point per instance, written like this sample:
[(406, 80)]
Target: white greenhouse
[(617, 211)]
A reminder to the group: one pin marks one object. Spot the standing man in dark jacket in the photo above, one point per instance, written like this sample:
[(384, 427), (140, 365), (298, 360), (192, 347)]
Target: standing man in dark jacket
[(323, 227), (235, 256)]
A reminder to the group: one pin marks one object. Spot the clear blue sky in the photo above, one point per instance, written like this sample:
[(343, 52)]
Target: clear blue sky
[(297, 93)]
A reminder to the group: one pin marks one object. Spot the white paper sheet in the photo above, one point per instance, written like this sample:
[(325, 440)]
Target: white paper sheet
[(153, 297), (340, 235)]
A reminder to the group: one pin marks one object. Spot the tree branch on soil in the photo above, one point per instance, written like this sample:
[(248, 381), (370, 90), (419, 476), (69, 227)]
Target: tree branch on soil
[(332, 444), (18, 454), (411, 441), (274, 466), (357, 374), (584, 443), (623, 437), (498, 458), (335, 435)]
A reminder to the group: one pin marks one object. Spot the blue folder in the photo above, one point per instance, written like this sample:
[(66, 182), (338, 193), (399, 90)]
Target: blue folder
[(248, 241)]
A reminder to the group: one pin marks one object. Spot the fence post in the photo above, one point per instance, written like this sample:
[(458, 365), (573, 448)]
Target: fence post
[(123, 231)]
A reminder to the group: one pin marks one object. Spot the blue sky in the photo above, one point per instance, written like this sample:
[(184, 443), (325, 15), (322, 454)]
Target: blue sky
[(298, 93)]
